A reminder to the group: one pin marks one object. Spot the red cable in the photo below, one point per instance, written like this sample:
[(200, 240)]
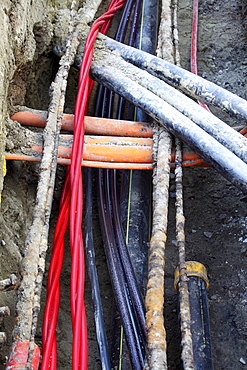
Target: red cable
[(53, 286), (194, 38), (194, 32), (71, 204)]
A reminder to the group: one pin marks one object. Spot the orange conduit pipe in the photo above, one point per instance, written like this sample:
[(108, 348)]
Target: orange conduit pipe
[(198, 162), (93, 164), (109, 152), (131, 151), (109, 149), (93, 125)]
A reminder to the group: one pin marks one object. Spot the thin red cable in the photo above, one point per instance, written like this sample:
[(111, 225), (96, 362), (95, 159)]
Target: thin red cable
[(53, 286), (71, 204), (193, 59)]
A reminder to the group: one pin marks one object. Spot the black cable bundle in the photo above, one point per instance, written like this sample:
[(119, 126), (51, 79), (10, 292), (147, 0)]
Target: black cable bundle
[(89, 246), (128, 297), (131, 301)]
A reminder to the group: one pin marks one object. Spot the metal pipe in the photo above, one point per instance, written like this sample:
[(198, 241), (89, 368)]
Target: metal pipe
[(154, 299)]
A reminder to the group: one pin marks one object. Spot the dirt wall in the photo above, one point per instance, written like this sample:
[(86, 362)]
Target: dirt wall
[(28, 29)]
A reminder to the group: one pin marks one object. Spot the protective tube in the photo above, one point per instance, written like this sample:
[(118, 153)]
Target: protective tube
[(200, 322), (147, 34), (189, 83), (229, 165)]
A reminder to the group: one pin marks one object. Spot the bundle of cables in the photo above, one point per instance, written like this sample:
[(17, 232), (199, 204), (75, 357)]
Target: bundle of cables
[(126, 290), (127, 294), (126, 285), (71, 207)]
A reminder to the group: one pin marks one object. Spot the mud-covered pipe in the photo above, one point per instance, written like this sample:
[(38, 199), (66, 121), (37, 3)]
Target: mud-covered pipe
[(223, 133), (215, 154), (189, 83), (200, 321)]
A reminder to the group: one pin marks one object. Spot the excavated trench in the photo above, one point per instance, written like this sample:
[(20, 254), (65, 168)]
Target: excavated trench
[(215, 211)]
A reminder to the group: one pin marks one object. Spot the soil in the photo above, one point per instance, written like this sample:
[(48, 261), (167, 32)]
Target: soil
[(215, 211)]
